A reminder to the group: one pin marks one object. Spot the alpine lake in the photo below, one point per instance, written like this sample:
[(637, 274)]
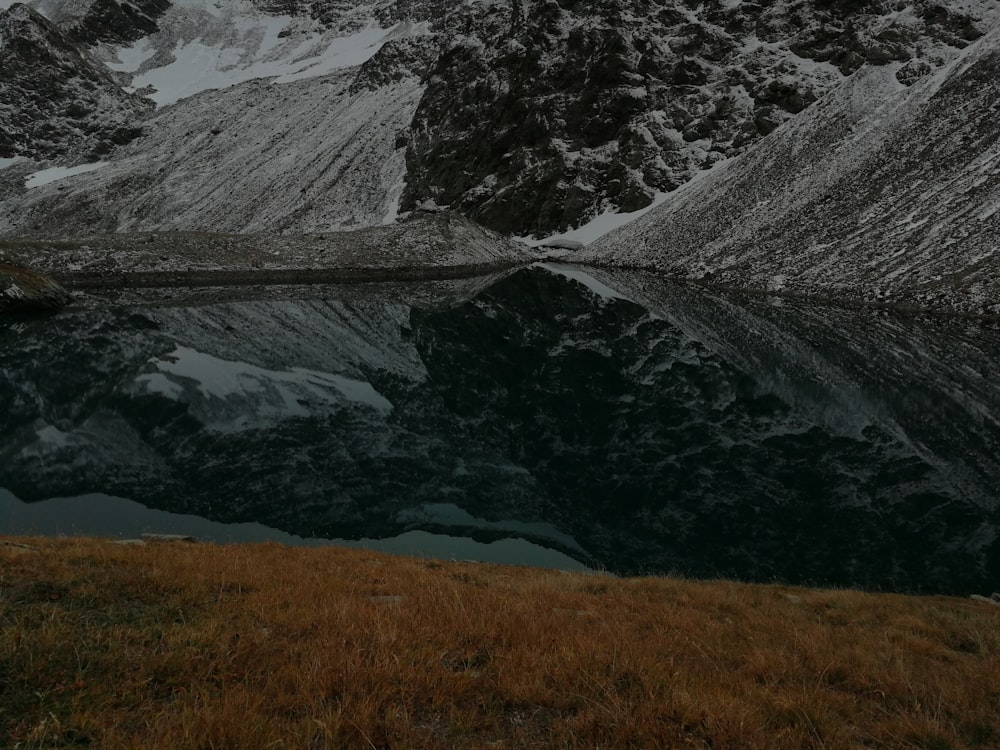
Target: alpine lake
[(554, 416)]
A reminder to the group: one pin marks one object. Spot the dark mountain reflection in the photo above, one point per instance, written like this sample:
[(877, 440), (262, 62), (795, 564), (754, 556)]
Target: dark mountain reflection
[(654, 428)]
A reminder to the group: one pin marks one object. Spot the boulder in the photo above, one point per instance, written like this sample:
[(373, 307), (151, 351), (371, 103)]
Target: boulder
[(23, 290)]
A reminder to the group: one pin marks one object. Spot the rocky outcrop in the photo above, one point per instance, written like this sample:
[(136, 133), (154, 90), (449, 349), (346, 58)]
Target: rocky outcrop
[(577, 107), (55, 99), (113, 22), (22, 290)]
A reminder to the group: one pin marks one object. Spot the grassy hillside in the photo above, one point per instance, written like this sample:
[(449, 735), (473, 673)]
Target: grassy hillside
[(200, 646)]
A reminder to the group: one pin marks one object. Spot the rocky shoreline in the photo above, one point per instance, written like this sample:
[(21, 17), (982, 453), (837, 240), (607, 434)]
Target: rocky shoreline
[(426, 246)]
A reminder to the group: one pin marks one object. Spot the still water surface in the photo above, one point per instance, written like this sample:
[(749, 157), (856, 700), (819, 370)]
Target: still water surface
[(549, 417)]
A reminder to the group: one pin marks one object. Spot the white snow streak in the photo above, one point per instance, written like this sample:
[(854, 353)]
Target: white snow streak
[(598, 226), (52, 174), (609, 221)]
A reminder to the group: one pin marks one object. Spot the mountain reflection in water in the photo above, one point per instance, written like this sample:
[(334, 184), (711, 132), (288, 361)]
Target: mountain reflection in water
[(617, 419)]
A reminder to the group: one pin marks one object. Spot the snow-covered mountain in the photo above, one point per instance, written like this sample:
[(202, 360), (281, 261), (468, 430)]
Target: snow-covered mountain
[(530, 116), (263, 122)]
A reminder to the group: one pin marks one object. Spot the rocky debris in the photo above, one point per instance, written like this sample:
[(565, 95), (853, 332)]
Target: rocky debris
[(55, 98), (22, 290), (913, 71), (881, 194), (302, 157), (424, 245)]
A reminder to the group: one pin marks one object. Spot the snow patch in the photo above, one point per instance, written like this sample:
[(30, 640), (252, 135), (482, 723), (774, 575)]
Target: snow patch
[(52, 174), (598, 226), (4, 163), (198, 66), (609, 221), (130, 59)]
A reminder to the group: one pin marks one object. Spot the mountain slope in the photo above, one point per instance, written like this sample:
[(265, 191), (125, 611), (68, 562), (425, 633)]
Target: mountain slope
[(878, 193), (236, 161)]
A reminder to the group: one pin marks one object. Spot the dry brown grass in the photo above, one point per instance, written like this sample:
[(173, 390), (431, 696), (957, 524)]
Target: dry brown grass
[(199, 646)]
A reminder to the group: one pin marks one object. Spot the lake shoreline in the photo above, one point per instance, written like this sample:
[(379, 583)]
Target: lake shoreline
[(817, 298), (425, 247)]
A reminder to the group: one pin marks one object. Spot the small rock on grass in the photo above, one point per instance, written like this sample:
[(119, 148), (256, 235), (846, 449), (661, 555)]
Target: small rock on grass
[(995, 599), (167, 538)]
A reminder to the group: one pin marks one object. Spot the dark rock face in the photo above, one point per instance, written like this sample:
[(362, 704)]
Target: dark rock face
[(22, 290), (114, 22), (410, 57), (54, 98), (578, 106)]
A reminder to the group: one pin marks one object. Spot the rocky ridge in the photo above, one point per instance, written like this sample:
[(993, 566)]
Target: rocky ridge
[(56, 98), (880, 193)]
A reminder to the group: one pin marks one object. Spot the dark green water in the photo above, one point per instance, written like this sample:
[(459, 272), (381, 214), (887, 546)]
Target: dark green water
[(624, 423)]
